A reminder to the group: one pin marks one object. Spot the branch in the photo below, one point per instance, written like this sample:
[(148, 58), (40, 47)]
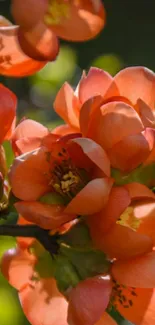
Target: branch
[(49, 242)]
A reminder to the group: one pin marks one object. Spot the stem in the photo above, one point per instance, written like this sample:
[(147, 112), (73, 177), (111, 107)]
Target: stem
[(18, 231), (49, 242)]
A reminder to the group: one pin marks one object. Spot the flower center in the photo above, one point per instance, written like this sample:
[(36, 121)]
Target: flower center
[(57, 11), (128, 219), (67, 179)]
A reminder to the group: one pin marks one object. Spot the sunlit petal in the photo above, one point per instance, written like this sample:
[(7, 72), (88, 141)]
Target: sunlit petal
[(137, 272), (43, 304), (96, 192), (13, 61), (135, 83), (17, 266)]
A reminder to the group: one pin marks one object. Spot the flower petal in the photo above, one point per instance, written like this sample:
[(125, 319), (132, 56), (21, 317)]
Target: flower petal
[(10, 132), (123, 243), (137, 272), (140, 306), (4, 21), (137, 82), (88, 111), (145, 213), (84, 21), (21, 12), (7, 112), (114, 121), (149, 134), (95, 153), (29, 128), (27, 144), (17, 267), (67, 106), (39, 43), (27, 136), (29, 175), (14, 62), (100, 223), (64, 129), (139, 191), (137, 151), (95, 83), (42, 303), (145, 113), (96, 192), (88, 300), (44, 215)]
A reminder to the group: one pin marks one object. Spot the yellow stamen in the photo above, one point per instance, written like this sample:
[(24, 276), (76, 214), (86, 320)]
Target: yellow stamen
[(68, 180), (128, 219), (57, 11), (57, 187)]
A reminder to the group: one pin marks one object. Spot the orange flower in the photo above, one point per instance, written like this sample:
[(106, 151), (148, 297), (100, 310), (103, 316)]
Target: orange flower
[(121, 221), (117, 113), (131, 292), (41, 300), (13, 60), (18, 265), (28, 135), (124, 230), (75, 20), (8, 104), (57, 181)]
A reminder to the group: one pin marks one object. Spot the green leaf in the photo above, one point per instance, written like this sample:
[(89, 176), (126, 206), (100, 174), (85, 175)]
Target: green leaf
[(87, 262), (65, 273), (10, 218), (45, 265), (77, 236)]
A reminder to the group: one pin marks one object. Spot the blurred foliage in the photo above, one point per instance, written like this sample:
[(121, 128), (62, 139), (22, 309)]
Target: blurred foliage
[(10, 311), (109, 62), (8, 152), (128, 39)]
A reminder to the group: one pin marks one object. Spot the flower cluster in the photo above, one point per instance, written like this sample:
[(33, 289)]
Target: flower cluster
[(84, 191), (89, 186), (26, 47)]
